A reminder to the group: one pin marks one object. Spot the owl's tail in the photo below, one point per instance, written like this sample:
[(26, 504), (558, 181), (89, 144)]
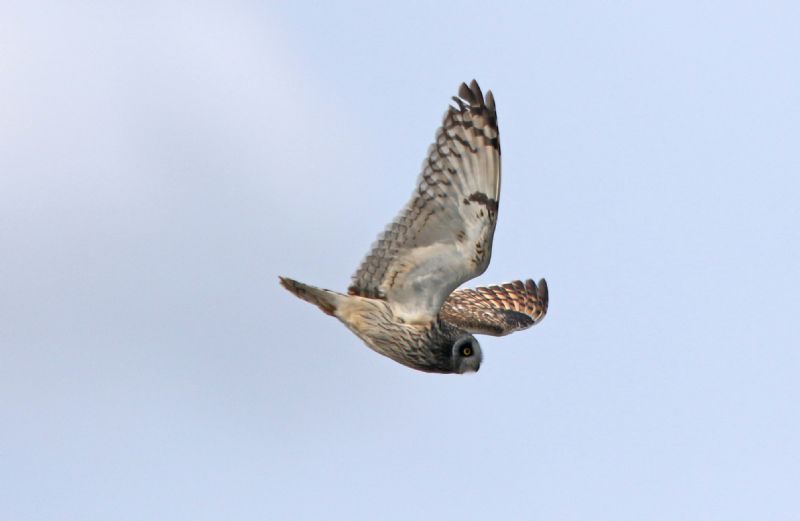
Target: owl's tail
[(324, 299)]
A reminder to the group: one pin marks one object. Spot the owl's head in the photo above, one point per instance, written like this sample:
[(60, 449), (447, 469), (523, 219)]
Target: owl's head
[(466, 355)]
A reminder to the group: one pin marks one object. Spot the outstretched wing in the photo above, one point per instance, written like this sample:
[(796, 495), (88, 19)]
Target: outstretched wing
[(443, 237), (497, 310)]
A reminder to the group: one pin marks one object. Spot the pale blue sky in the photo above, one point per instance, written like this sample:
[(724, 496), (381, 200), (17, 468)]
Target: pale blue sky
[(162, 162)]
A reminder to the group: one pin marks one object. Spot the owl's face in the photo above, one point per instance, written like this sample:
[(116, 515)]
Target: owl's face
[(466, 355)]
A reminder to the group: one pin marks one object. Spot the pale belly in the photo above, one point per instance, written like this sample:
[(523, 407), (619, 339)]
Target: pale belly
[(373, 321)]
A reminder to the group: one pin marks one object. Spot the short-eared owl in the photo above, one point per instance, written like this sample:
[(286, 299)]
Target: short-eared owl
[(403, 301)]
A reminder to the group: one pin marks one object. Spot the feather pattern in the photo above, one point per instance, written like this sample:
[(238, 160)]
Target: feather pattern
[(443, 236), (497, 310)]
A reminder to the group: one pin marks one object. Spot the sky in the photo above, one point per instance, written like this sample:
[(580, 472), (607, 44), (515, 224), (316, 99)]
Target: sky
[(161, 163)]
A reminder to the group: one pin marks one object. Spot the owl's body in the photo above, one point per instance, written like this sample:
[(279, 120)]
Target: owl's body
[(403, 301), (426, 345)]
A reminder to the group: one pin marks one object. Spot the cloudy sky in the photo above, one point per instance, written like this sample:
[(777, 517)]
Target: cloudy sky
[(161, 163)]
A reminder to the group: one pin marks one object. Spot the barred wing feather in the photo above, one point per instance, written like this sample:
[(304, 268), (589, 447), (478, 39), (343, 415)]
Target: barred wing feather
[(443, 236), (497, 310)]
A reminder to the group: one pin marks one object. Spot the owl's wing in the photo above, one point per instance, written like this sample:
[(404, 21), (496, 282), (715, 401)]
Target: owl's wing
[(443, 236), (497, 310)]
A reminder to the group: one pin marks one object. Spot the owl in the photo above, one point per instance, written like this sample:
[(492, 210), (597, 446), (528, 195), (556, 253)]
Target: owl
[(403, 302)]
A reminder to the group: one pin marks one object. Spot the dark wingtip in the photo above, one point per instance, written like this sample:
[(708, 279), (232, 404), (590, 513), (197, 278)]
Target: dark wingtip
[(472, 94), (476, 90), (471, 97), (464, 92), (543, 293)]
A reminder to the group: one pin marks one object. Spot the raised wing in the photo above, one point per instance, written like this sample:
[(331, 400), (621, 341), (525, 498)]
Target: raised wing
[(497, 310), (443, 237)]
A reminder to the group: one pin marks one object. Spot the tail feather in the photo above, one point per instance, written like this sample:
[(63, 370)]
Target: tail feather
[(324, 299)]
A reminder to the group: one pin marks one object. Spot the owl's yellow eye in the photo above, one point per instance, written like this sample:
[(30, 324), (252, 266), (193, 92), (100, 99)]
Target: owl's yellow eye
[(466, 351)]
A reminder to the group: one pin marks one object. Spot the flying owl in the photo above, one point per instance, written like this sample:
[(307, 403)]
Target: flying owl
[(403, 302)]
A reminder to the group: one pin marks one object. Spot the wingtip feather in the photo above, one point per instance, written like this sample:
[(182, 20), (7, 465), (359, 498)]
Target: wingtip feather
[(464, 92), (476, 90), (543, 293)]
